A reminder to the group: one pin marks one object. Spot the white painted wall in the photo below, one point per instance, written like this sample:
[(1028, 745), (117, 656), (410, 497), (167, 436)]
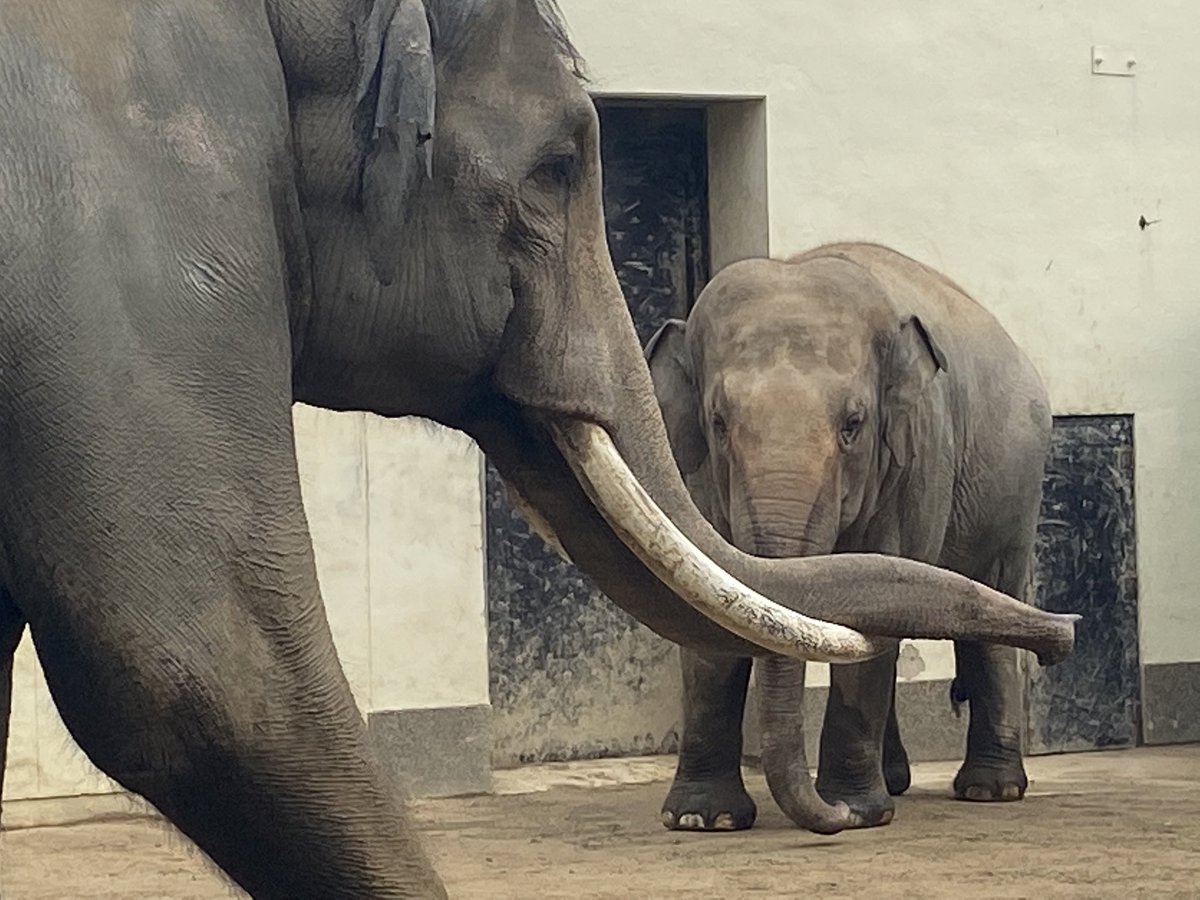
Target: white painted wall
[(973, 136), (396, 513)]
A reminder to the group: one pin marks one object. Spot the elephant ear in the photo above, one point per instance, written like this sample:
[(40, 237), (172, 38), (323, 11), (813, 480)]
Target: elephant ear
[(398, 86), (677, 395), (914, 360)]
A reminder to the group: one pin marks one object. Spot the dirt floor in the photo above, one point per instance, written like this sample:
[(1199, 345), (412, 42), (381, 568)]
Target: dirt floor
[(1121, 824)]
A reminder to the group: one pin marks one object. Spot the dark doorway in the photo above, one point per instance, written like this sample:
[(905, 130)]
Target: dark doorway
[(572, 676), (1086, 565)]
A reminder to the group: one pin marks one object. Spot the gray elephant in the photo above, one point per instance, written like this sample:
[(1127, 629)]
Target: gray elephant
[(850, 399), (212, 210)]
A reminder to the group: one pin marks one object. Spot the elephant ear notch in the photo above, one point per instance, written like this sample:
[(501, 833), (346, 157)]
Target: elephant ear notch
[(678, 398), (399, 80), (914, 360)]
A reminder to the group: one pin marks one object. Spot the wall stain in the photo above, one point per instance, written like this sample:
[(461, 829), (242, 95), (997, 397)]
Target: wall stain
[(1086, 563), (910, 663)]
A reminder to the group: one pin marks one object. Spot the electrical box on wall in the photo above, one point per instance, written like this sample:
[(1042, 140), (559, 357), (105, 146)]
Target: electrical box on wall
[(1112, 61)]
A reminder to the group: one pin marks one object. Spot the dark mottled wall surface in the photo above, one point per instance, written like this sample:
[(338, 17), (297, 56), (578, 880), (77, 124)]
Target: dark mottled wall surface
[(1086, 565), (572, 676)]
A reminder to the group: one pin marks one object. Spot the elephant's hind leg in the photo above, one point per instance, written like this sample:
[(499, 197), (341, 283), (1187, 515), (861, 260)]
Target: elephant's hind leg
[(12, 625), (897, 773), (708, 793), (989, 677)]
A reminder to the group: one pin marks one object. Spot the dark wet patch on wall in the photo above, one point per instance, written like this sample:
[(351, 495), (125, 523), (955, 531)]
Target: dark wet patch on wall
[(1086, 564)]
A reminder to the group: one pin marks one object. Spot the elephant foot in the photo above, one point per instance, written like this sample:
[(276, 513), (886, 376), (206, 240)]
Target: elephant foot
[(896, 772), (897, 776), (989, 782), (868, 809), (719, 804)]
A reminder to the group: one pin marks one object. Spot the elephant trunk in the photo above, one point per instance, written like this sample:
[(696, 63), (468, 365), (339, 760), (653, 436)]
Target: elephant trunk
[(784, 759), (777, 516)]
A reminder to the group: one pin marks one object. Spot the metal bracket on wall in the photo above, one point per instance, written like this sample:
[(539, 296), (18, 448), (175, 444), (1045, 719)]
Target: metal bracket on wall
[(1111, 61)]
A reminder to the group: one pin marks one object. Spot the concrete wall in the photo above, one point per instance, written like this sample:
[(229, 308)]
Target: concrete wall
[(396, 513), (974, 136)]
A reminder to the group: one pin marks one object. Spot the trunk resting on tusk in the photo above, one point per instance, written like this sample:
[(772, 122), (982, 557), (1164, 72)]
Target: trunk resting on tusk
[(673, 558)]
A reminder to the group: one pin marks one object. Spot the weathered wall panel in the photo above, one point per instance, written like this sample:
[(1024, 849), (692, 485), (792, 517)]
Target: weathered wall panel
[(1086, 565)]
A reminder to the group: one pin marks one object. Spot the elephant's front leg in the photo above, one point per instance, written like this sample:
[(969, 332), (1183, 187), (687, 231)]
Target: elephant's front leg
[(172, 596), (989, 678), (708, 793), (851, 763)]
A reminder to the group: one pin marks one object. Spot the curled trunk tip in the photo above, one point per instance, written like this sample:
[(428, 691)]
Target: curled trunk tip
[(784, 759)]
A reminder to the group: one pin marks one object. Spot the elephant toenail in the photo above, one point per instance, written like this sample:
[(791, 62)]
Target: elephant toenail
[(1010, 792), (977, 792), (691, 822), (723, 822), (668, 818)]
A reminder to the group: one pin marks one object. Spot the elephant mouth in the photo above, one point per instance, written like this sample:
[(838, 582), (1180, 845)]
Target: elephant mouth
[(694, 577)]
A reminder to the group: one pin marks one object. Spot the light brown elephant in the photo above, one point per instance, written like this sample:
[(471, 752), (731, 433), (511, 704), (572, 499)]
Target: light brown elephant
[(850, 399)]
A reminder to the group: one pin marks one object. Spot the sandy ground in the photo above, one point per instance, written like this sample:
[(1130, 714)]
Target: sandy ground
[(1121, 824)]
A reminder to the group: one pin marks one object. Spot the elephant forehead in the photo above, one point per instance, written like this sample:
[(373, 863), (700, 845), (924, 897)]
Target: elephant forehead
[(823, 312), (765, 338), (760, 396)]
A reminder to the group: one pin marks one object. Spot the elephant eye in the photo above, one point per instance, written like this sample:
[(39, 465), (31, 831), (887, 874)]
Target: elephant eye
[(556, 171), (851, 428), (719, 426)]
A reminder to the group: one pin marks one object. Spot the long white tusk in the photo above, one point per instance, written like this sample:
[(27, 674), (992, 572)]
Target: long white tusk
[(669, 554)]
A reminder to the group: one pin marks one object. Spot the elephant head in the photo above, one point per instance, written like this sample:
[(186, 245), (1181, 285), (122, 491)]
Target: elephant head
[(790, 410), (456, 267)]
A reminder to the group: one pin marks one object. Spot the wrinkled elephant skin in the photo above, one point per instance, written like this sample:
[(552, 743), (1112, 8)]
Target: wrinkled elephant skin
[(850, 399)]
